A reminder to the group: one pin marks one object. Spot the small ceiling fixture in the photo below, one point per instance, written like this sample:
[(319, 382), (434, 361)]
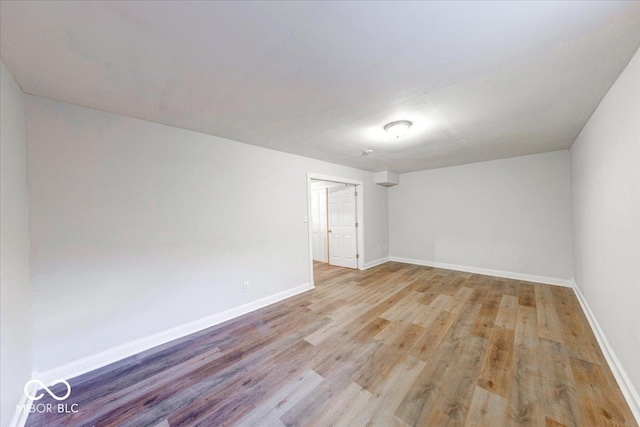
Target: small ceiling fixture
[(398, 128), (367, 152)]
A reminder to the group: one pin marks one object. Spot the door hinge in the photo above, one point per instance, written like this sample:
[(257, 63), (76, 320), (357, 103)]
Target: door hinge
[(356, 194), (357, 256), (356, 225)]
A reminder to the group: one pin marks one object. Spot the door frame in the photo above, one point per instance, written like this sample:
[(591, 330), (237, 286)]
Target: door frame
[(359, 215)]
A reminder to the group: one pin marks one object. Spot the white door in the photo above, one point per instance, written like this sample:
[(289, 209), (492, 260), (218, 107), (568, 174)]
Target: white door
[(319, 224), (342, 227)]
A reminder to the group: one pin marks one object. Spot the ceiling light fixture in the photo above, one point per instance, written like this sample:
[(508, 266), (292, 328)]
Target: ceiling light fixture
[(367, 152), (398, 128)]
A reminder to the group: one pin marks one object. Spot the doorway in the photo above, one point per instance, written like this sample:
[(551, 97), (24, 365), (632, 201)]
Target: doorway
[(335, 222), (343, 225)]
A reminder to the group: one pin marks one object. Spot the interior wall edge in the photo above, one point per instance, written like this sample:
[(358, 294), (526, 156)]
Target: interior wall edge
[(624, 382), (87, 364), (16, 361), (569, 283)]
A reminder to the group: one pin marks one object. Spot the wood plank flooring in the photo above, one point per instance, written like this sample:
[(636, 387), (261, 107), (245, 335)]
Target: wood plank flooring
[(396, 345)]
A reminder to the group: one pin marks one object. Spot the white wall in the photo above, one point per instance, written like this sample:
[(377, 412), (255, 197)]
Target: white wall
[(138, 227), (605, 176), (15, 321), (511, 215)]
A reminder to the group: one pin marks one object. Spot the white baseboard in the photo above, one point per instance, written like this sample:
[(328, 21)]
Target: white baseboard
[(90, 363), (497, 273), (20, 415), (375, 263), (628, 390)]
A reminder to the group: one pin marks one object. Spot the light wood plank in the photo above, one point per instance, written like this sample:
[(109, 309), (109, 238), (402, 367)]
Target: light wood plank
[(486, 408), (396, 345)]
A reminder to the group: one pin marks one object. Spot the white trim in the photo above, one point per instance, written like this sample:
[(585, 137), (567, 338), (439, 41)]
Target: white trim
[(626, 386), (497, 273), (359, 211), (90, 363), (375, 263), (331, 178), (20, 416)]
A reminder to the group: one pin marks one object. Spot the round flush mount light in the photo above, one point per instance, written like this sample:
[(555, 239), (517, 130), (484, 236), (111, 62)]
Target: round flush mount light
[(367, 152), (398, 128)]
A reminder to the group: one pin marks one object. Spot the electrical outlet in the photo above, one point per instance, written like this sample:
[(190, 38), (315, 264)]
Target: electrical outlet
[(245, 287)]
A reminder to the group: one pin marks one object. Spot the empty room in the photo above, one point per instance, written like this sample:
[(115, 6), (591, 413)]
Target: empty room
[(320, 213)]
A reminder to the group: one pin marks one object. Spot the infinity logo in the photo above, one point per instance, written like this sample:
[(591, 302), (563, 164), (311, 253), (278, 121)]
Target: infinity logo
[(42, 386)]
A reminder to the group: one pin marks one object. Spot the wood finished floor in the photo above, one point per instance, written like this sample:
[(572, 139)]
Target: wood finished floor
[(396, 345)]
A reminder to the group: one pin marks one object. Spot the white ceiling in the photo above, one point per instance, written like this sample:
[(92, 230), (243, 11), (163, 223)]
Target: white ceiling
[(479, 80)]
